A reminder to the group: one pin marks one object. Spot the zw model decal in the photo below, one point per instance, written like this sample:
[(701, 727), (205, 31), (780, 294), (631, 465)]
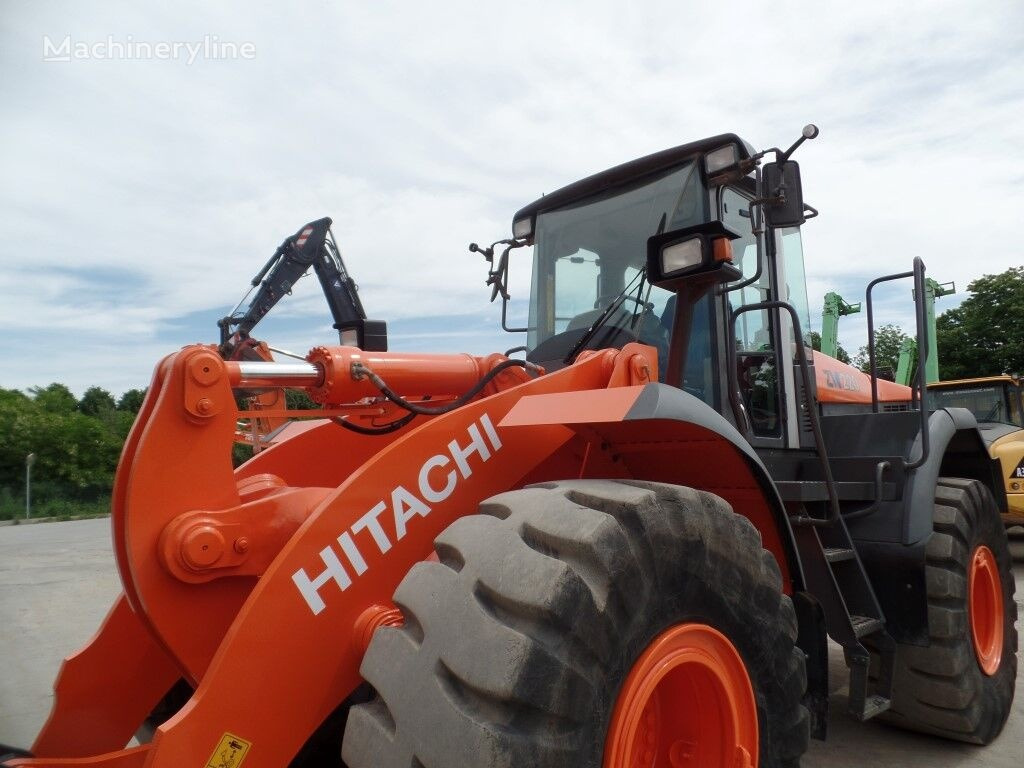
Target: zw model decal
[(841, 380), (402, 505)]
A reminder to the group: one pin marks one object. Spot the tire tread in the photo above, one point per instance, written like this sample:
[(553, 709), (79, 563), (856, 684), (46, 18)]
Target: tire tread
[(939, 689), (550, 599)]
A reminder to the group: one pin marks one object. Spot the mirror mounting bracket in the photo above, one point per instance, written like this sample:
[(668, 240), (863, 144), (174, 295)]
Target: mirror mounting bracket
[(497, 275)]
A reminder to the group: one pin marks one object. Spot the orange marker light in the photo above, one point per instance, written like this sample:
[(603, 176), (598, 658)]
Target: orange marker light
[(722, 249)]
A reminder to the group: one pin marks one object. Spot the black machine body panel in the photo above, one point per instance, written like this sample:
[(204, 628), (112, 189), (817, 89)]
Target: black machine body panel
[(890, 533)]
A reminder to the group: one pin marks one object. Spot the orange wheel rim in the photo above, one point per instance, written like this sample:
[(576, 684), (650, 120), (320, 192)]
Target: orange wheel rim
[(985, 607), (686, 703)]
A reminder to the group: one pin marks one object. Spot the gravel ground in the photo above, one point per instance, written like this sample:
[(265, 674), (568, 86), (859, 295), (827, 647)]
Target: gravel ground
[(58, 580)]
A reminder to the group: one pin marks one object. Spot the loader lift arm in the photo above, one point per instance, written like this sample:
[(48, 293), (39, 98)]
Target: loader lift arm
[(312, 246)]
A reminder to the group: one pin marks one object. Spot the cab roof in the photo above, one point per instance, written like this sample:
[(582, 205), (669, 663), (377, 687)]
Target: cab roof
[(627, 173)]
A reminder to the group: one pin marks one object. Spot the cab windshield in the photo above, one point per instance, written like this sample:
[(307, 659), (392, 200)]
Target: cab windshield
[(587, 254), (991, 402)]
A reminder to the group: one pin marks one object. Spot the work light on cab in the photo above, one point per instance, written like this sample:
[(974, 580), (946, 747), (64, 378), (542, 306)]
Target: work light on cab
[(522, 228), (703, 250), (720, 158), (681, 256)]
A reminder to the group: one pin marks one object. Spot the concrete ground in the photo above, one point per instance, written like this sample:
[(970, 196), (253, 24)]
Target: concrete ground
[(57, 581)]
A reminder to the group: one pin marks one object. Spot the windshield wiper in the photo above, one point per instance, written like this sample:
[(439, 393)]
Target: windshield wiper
[(603, 317)]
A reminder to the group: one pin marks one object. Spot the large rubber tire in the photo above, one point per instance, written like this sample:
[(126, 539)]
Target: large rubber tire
[(517, 642), (941, 689)]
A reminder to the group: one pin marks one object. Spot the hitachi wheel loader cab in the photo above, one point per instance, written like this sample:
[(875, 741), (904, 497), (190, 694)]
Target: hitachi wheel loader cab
[(628, 549)]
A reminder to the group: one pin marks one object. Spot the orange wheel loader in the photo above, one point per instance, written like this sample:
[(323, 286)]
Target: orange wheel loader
[(627, 549)]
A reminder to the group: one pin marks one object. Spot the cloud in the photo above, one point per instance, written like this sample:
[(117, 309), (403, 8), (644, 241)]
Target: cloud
[(139, 197)]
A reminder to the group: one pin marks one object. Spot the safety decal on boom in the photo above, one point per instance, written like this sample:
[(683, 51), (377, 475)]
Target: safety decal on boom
[(1018, 473), (229, 753)]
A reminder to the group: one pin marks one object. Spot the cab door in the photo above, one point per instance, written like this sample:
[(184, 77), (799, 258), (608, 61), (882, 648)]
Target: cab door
[(765, 339), (756, 374)]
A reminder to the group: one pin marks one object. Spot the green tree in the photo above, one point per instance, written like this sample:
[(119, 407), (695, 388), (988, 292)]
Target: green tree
[(984, 336), (16, 424), (76, 453), (131, 401), (95, 401), (841, 354), (298, 400), (240, 453), (117, 422), (55, 398), (13, 397), (888, 340)]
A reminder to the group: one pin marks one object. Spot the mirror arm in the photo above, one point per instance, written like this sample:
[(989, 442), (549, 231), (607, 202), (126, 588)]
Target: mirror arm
[(757, 232), (504, 324), (786, 155), (810, 131), (497, 276)]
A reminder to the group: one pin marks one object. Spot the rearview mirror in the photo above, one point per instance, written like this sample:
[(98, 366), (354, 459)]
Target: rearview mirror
[(781, 182)]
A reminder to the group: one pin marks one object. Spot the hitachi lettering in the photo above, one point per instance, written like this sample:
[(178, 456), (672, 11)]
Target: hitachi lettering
[(345, 562)]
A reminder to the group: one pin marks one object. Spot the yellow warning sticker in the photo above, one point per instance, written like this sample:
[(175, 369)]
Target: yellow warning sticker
[(229, 753)]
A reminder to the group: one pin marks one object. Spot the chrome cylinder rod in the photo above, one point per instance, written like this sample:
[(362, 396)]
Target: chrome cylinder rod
[(257, 374)]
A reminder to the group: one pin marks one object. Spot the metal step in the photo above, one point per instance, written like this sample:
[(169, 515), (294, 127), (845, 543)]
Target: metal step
[(838, 554), (864, 705), (851, 611), (865, 625), (875, 705)]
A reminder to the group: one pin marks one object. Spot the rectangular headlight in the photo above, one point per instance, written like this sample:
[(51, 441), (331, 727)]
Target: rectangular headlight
[(720, 158), (522, 228), (700, 253), (682, 256)]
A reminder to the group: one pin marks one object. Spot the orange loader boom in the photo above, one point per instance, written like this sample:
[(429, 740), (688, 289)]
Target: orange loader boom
[(265, 584)]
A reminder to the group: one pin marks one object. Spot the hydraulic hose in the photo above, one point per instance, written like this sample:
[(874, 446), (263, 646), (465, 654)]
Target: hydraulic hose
[(360, 370), (383, 429)]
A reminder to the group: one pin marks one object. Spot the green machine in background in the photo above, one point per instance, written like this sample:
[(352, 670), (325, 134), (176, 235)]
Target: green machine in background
[(835, 307), (908, 350)]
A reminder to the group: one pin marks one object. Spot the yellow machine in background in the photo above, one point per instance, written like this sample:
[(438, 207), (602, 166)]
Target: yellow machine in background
[(997, 402)]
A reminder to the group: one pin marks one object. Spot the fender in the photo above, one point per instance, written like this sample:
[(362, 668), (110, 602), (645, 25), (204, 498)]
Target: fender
[(957, 450), (660, 433), (892, 542)]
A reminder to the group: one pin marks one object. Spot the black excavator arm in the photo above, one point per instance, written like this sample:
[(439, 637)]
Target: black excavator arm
[(312, 246)]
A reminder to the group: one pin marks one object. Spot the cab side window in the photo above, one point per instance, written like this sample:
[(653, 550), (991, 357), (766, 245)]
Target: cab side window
[(755, 339)]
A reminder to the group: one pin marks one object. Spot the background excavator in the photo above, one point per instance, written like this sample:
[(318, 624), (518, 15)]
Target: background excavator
[(627, 549), (312, 246)]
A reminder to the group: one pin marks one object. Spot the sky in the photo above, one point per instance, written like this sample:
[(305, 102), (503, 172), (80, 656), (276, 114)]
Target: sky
[(138, 196)]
